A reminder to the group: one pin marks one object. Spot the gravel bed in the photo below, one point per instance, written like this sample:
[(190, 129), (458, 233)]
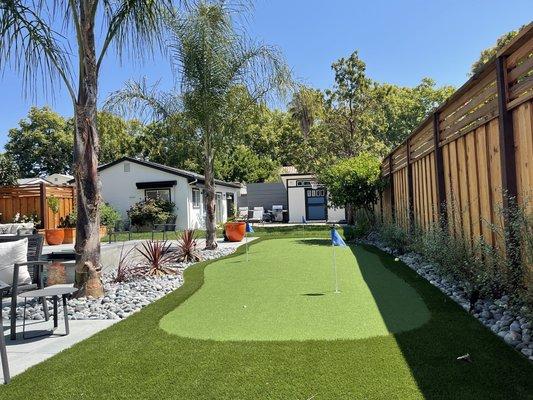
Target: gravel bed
[(496, 314), (121, 299)]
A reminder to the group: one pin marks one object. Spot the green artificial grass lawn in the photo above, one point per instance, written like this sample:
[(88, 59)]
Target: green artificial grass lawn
[(136, 359), (285, 291)]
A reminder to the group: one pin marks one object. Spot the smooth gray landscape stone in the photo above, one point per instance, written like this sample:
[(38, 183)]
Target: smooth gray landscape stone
[(121, 299)]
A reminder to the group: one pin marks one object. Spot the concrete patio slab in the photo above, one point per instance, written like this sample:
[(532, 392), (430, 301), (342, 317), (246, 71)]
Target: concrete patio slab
[(23, 354)]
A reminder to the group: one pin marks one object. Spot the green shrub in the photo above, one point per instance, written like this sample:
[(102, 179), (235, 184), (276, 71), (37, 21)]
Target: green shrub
[(69, 221), (395, 236), (149, 212), (353, 182), (108, 216), (362, 226)]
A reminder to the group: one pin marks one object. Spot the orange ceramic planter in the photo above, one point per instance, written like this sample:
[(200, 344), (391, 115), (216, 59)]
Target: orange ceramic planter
[(235, 231), (54, 236), (70, 235), (102, 231)]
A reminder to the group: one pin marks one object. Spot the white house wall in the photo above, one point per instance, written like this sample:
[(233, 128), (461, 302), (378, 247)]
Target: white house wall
[(197, 215), (120, 191)]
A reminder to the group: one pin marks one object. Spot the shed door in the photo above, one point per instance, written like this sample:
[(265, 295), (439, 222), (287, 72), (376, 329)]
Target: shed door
[(316, 204)]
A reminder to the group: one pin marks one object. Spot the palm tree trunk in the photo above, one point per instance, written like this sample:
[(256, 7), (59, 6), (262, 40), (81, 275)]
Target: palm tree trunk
[(210, 222), (86, 147)]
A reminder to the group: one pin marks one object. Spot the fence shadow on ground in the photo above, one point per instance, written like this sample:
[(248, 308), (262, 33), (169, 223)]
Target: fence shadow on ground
[(431, 350)]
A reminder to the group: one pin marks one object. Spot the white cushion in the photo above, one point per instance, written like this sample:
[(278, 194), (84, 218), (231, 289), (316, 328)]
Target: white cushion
[(5, 229), (14, 253)]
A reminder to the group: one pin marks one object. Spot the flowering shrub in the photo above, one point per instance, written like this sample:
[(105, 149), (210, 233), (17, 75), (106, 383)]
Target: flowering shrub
[(33, 217)]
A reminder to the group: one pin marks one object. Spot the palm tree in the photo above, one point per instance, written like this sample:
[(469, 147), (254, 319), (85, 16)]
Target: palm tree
[(34, 38), (306, 106), (209, 57)]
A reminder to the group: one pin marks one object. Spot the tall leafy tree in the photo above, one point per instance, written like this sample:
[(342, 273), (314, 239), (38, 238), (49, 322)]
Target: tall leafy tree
[(117, 136), (9, 171), (211, 56), (488, 54), (42, 144), (33, 37), (349, 103)]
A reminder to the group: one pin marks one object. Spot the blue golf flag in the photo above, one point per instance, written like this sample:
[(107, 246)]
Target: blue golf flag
[(336, 239), (249, 228)]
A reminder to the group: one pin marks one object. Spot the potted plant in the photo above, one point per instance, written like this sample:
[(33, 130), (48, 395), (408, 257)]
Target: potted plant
[(69, 227), (108, 219), (56, 235), (235, 228)]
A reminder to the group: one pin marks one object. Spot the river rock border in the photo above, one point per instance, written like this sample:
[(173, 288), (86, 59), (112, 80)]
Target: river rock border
[(121, 299), (514, 329)]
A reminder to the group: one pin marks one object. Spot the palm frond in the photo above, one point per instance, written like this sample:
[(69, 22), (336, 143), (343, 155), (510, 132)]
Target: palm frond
[(133, 25), (31, 46), (144, 100)]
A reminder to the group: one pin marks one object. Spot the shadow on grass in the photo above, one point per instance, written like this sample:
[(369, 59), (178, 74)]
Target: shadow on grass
[(431, 350), (315, 242)]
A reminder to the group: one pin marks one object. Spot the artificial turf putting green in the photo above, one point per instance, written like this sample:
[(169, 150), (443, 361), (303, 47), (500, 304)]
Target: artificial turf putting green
[(286, 292), (137, 360)]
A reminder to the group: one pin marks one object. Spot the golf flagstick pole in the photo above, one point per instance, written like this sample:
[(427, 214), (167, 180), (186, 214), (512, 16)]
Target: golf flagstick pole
[(246, 243), (335, 271)]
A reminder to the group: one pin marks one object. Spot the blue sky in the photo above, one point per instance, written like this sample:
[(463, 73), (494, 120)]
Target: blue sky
[(400, 41)]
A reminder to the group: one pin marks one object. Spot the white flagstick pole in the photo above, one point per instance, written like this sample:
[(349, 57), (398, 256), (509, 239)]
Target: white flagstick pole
[(246, 240), (335, 271)]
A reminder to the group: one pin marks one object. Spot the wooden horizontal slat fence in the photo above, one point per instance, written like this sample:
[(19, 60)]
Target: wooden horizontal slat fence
[(28, 199), (464, 162)]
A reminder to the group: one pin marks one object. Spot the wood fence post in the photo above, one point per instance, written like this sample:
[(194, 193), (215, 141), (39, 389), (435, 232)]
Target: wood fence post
[(442, 213), (507, 160), (505, 119), (411, 206), (44, 208), (391, 181)]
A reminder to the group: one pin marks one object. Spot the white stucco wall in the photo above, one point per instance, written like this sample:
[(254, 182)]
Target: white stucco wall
[(119, 190), (197, 215)]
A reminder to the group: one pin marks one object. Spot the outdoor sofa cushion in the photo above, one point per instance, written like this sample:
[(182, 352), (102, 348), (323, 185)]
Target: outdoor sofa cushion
[(12, 253), (25, 228)]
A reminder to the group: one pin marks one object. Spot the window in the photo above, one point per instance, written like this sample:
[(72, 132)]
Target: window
[(196, 198), (158, 194), (304, 183), (126, 167)]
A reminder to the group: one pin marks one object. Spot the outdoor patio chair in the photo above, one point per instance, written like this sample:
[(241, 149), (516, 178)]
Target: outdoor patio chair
[(36, 270), (243, 213), (258, 214)]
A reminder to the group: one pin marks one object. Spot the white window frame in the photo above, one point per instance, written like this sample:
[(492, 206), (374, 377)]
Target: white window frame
[(166, 190), (196, 202)]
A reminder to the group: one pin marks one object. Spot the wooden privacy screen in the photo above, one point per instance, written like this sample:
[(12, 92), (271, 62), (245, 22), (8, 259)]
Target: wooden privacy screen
[(28, 199), (472, 151)]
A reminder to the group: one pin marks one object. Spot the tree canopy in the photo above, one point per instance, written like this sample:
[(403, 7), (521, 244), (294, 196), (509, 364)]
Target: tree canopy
[(9, 171)]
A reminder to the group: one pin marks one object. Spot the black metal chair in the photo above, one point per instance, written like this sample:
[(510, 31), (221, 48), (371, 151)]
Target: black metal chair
[(169, 226), (36, 270)]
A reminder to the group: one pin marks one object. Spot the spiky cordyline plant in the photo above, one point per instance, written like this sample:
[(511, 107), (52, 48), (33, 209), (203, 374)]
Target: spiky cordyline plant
[(188, 247), (34, 41), (157, 256), (210, 56)]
